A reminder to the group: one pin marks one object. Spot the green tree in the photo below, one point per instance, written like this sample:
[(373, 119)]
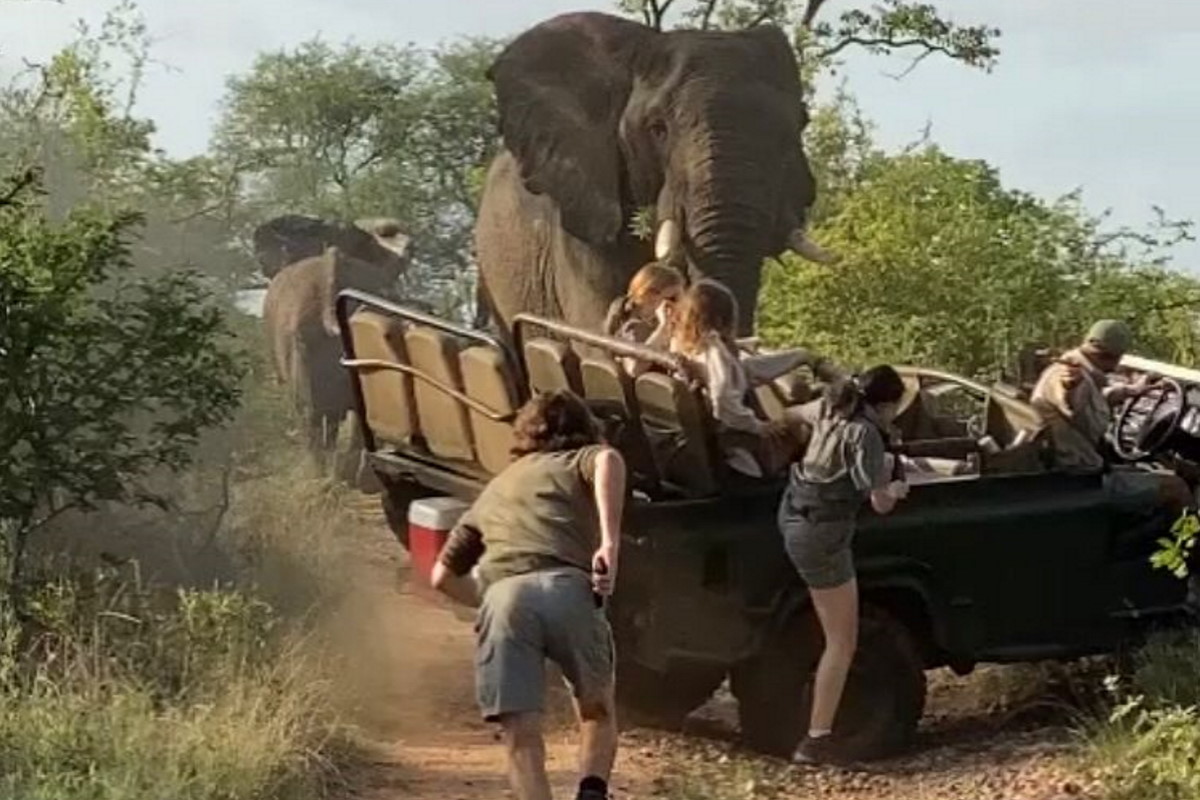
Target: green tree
[(944, 266), (73, 117), (353, 131), (104, 376), (886, 27)]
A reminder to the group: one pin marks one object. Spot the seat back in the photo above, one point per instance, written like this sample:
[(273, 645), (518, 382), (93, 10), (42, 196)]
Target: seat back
[(680, 434), (444, 422), (552, 366), (391, 409), (487, 377), (1006, 418), (609, 392)]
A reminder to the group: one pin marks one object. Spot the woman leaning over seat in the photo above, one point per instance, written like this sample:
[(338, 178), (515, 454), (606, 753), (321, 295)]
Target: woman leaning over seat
[(844, 468), (704, 337)]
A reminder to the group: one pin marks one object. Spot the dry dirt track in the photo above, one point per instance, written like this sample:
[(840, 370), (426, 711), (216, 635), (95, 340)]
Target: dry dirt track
[(410, 689)]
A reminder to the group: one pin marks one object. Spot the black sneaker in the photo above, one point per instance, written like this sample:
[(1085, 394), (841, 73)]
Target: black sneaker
[(814, 751)]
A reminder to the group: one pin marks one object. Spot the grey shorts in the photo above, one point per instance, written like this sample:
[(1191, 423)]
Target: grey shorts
[(818, 544), (526, 619)]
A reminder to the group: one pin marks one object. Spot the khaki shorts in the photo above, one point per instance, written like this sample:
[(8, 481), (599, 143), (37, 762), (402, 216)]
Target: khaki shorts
[(526, 619)]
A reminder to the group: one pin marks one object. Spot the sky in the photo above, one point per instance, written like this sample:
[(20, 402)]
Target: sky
[(1089, 94)]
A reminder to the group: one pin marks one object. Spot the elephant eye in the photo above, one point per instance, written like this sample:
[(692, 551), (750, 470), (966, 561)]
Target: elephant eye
[(658, 129)]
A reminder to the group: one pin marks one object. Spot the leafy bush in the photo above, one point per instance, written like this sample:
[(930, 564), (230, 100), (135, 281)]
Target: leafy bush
[(1148, 748)]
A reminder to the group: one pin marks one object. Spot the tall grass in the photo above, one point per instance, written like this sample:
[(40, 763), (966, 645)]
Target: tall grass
[(209, 684)]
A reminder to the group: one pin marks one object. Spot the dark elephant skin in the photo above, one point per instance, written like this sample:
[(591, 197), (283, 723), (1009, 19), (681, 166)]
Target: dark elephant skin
[(602, 117), (301, 326), (290, 238)]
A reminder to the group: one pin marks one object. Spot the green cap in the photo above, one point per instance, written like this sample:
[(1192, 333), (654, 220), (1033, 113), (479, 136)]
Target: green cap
[(1112, 336)]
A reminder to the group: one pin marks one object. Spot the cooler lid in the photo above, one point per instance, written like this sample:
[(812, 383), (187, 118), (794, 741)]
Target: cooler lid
[(436, 513)]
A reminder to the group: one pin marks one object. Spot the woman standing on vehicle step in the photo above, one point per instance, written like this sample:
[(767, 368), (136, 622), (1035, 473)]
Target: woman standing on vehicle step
[(844, 467)]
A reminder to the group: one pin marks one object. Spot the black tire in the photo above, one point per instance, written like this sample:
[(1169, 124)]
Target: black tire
[(395, 499), (882, 704), (663, 699)]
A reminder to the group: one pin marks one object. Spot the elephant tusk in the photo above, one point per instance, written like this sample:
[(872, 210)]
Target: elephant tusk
[(666, 242), (809, 250)]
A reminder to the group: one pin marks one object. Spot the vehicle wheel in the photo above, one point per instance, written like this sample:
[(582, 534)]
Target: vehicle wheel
[(882, 703), (663, 699), (396, 497)]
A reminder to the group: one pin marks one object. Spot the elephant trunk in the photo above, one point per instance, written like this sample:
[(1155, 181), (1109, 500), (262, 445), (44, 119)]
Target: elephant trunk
[(732, 225)]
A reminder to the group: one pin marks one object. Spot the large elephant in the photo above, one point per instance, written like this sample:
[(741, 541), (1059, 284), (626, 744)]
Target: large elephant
[(604, 119), (302, 332)]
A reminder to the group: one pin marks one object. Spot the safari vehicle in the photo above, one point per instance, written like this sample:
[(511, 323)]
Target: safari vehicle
[(994, 557)]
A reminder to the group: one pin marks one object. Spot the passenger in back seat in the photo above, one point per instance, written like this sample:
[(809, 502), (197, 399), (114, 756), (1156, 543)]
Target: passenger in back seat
[(646, 312), (704, 336)]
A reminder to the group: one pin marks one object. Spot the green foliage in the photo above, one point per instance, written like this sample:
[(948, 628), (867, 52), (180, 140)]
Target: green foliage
[(882, 28), (385, 131), (943, 266), (1175, 549), (104, 377), (1148, 746)]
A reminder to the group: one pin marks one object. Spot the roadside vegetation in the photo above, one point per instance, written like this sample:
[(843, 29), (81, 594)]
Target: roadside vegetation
[(168, 557)]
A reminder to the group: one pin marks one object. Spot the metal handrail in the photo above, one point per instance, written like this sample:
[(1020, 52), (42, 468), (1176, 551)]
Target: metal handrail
[(342, 308), (408, 369), (613, 346)]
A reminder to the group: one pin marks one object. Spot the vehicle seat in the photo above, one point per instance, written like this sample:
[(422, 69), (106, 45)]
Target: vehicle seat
[(552, 366), (488, 377), (388, 395), (680, 437), (444, 422), (609, 392)]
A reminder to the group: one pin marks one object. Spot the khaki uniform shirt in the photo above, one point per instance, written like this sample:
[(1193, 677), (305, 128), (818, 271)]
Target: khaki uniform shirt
[(1077, 416), (846, 451), (539, 513)]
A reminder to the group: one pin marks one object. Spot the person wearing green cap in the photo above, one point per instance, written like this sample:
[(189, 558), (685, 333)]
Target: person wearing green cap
[(1076, 399)]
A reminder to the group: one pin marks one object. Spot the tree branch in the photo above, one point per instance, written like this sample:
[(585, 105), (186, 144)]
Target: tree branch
[(706, 15), (916, 62), (810, 13), (19, 184), (882, 41)]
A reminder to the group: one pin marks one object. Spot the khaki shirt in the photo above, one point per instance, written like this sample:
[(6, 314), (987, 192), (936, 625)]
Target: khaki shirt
[(843, 450), (539, 513), (1078, 416)]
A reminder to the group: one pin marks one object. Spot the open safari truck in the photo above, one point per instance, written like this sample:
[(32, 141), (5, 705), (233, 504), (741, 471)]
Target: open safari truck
[(994, 557)]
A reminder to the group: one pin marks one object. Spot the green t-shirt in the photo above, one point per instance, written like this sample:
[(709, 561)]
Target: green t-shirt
[(538, 513)]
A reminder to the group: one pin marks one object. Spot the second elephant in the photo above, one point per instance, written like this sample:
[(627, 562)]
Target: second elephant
[(302, 332)]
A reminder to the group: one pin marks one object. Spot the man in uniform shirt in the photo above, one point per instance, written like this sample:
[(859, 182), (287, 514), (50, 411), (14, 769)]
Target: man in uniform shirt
[(545, 534), (1075, 399)]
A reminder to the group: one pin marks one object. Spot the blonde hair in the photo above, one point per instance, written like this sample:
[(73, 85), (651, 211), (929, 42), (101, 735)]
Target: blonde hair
[(707, 308), (654, 279)]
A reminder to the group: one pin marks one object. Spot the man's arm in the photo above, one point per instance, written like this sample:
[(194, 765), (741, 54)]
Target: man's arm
[(452, 573), (608, 485)]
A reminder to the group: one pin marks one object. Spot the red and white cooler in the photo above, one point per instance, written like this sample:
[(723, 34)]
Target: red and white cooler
[(430, 521)]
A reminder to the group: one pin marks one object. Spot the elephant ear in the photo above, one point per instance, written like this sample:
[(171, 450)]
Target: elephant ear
[(561, 88), (287, 239), (388, 233)]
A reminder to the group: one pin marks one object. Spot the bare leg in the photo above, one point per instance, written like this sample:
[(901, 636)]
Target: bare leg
[(837, 609), (597, 736), (526, 756)]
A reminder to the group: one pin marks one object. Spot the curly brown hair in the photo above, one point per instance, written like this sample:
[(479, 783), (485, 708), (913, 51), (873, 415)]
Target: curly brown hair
[(554, 421)]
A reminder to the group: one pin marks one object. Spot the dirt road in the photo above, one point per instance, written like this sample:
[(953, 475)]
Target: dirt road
[(410, 689)]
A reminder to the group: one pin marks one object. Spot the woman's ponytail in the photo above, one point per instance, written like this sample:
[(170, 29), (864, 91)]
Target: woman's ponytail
[(877, 386)]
